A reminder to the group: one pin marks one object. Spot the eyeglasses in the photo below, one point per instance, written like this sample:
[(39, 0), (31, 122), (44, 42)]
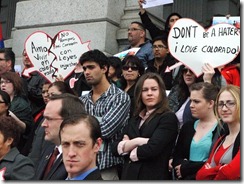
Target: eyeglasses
[(133, 68), (133, 29), (186, 70), (5, 82), (52, 119), (228, 104), (159, 46)]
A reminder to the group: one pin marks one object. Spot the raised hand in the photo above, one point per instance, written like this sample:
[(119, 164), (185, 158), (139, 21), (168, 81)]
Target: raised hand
[(208, 72)]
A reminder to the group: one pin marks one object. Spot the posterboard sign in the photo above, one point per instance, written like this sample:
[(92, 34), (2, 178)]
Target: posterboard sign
[(54, 56), (235, 21), (131, 51), (152, 3), (193, 46)]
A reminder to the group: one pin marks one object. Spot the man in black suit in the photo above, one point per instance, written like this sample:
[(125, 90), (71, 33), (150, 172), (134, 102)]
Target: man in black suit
[(81, 140), (57, 109)]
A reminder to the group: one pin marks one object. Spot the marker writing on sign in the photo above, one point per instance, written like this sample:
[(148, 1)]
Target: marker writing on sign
[(186, 48), (37, 49), (185, 32)]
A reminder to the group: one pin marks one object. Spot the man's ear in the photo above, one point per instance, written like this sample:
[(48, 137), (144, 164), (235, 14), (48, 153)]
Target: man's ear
[(9, 63), (9, 141), (167, 50), (98, 144), (104, 68), (143, 34)]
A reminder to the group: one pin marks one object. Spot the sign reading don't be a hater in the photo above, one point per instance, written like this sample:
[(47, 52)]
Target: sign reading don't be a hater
[(193, 46)]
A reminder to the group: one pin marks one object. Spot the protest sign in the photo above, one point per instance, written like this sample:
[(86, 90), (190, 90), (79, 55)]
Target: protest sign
[(193, 46), (54, 56), (235, 21), (123, 54), (152, 3)]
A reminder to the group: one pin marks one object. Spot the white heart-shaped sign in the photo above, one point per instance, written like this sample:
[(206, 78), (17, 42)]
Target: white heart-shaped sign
[(53, 57), (193, 46)]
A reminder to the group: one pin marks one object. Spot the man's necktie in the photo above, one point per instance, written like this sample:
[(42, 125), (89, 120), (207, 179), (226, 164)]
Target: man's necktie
[(51, 161)]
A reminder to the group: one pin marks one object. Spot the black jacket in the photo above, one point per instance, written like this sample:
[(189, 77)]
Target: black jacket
[(153, 156), (166, 76)]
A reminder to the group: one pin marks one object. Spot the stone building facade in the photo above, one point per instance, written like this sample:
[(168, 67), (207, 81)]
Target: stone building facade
[(103, 22)]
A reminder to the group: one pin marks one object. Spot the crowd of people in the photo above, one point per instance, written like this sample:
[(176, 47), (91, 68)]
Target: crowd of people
[(121, 120)]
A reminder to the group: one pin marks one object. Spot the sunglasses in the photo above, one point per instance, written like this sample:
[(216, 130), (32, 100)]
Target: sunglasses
[(133, 68), (186, 70)]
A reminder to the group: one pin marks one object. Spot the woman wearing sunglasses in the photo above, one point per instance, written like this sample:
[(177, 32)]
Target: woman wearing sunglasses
[(179, 95), (225, 158), (132, 69)]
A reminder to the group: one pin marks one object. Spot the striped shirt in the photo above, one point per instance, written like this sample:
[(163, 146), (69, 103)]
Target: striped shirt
[(112, 110)]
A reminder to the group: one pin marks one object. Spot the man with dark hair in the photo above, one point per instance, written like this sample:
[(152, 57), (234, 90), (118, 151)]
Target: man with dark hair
[(137, 38), (7, 60), (109, 104), (81, 140), (162, 60), (57, 109)]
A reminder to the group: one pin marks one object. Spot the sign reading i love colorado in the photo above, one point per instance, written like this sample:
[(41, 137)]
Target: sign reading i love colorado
[(193, 46)]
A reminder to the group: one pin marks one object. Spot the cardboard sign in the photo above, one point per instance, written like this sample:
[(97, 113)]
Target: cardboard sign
[(193, 46), (54, 56)]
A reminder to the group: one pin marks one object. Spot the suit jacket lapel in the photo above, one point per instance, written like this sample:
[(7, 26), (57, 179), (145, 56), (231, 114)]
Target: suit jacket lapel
[(44, 161), (55, 166)]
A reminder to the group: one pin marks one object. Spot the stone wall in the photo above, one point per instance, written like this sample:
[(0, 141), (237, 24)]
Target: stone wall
[(94, 20)]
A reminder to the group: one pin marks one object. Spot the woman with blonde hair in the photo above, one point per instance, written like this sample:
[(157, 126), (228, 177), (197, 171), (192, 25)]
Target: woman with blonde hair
[(224, 162)]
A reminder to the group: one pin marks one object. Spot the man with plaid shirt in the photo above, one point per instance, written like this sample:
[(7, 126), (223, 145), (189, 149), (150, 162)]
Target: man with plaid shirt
[(109, 104)]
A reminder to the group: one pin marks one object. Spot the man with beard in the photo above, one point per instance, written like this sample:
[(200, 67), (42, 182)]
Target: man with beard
[(162, 60)]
